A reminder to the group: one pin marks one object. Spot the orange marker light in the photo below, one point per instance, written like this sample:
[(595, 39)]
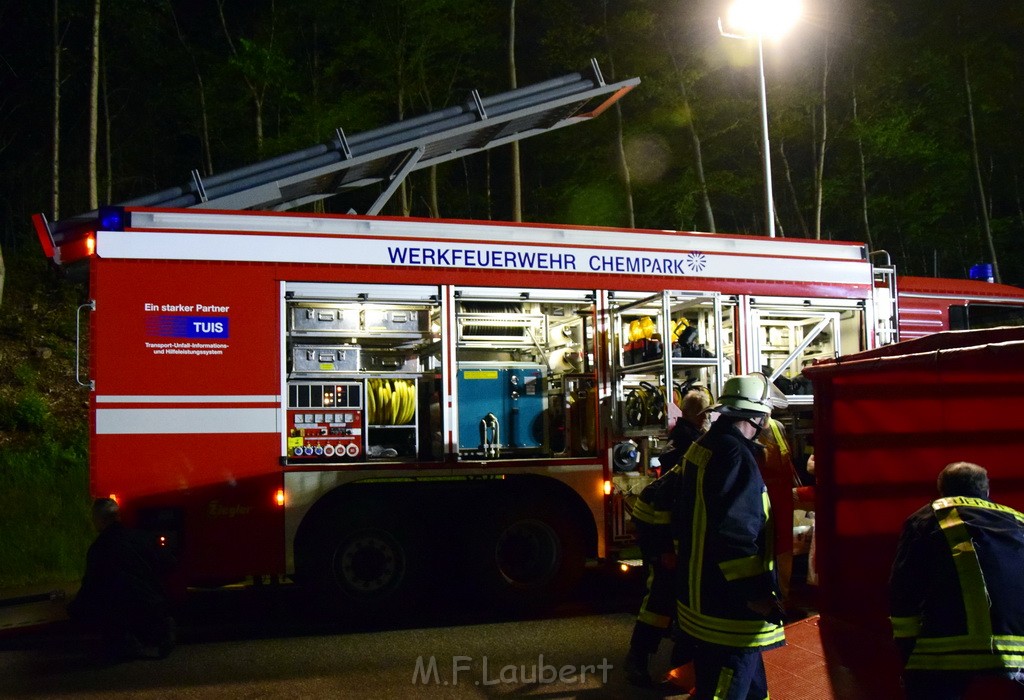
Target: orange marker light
[(90, 245), (279, 497), (624, 567), (607, 488), (114, 498)]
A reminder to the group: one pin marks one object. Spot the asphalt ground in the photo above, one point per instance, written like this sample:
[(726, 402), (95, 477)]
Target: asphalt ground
[(285, 641)]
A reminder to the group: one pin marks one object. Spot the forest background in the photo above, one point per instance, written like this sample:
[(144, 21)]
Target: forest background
[(892, 123)]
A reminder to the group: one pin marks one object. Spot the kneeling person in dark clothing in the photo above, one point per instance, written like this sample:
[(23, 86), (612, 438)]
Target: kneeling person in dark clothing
[(121, 597)]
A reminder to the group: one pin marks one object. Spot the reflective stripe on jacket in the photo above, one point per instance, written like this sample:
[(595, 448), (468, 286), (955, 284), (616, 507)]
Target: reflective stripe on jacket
[(957, 586), (652, 514), (725, 549)]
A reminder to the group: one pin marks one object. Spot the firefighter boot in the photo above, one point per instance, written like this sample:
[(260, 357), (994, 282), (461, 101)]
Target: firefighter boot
[(636, 668)]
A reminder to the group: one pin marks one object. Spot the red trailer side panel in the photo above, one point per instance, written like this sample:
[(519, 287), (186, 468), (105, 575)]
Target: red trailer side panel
[(886, 423)]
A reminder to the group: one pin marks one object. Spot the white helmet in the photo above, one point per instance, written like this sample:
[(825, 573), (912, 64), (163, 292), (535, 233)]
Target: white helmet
[(749, 394)]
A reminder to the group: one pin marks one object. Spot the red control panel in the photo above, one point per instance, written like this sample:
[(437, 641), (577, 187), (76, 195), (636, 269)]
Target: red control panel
[(325, 421)]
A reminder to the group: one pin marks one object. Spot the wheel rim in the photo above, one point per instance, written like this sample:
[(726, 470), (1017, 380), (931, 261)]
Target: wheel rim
[(528, 553), (369, 563)]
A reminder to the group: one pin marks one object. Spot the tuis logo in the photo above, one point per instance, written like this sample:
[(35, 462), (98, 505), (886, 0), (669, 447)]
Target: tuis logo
[(187, 326)]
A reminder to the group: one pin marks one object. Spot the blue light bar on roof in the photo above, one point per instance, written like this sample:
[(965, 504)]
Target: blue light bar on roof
[(113, 219)]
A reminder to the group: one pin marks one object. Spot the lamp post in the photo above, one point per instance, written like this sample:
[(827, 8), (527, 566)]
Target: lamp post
[(757, 19)]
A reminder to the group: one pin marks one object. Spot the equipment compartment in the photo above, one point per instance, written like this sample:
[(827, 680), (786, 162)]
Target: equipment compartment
[(325, 358), (667, 343)]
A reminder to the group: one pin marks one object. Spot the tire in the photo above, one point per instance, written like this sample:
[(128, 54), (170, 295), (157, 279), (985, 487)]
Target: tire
[(368, 562), (530, 554), (365, 564)]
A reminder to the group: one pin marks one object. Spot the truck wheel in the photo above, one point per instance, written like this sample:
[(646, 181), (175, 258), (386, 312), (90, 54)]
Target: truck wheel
[(531, 554), (364, 563), (369, 562)]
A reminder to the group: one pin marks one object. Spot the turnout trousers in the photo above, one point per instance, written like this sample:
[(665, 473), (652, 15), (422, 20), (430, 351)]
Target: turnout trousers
[(656, 610), (723, 673)]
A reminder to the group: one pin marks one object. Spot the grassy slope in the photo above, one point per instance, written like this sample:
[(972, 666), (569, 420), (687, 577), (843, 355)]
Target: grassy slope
[(44, 499)]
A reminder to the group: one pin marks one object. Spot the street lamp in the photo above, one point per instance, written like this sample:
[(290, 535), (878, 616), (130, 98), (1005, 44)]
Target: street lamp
[(758, 19)]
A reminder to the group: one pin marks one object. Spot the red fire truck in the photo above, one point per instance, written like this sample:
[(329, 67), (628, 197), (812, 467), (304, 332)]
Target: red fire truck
[(343, 398), (332, 397)]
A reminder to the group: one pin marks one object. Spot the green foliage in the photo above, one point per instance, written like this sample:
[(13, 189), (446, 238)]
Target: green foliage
[(26, 375), (44, 493), (172, 78), (28, 412)]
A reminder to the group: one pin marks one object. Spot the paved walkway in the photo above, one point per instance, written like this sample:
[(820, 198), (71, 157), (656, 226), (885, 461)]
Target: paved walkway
[(28, 606)]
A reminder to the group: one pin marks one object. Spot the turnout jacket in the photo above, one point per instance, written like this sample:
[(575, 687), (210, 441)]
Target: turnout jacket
[(780, 478), (957, 587), (726, 552), (652, 512)]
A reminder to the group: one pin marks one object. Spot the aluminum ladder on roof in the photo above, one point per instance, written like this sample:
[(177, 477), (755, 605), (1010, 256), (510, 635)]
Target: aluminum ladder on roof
[(387, 155)]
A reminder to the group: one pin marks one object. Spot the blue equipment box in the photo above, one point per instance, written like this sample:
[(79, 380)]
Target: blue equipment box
[(501, 407)]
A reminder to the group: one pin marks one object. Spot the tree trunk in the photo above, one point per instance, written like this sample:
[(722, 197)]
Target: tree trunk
[(620, 146), (404, 189), (470, 209), (258, 102), (3, 274), (517, 187), (698, 156), (435, 208), (792, 189), (405, 198), (863, 176), (977, 174), (819, 171), (204, 123), (489, 195), (94, 96), (1016, 197), (205, 120), (258, 92), (623, 165), (55, 172), (108, 176)]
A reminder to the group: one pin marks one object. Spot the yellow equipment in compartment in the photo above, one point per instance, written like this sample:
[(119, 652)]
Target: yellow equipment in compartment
[(390, 401)]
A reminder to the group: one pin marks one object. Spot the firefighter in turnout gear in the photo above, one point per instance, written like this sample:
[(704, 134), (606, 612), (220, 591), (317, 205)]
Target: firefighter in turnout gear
[(652, 515), (957, 593), (780, 478), (728, 597)]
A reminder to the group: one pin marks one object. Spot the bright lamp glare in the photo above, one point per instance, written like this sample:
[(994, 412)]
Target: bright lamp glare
[(769, 18)]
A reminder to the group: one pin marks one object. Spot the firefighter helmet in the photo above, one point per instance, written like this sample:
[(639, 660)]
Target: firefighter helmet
[(749, 394)]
